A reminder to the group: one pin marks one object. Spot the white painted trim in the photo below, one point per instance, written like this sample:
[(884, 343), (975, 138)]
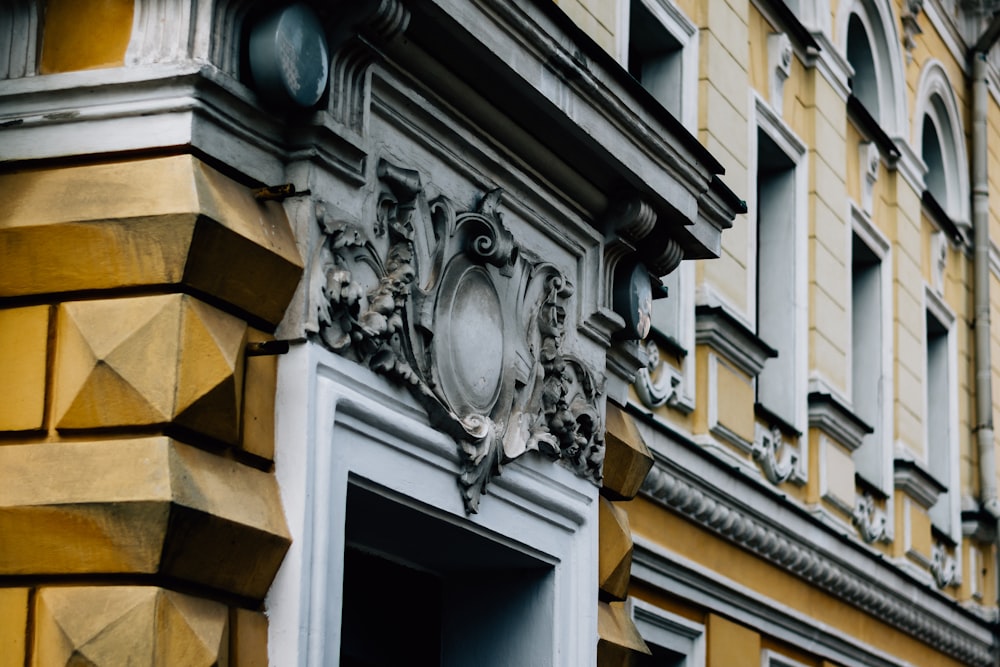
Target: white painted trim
[(706, 588), (880, 24), (881, 247), (656, 625), (337, 420), (771, 658), (934, 83), (764, 118), (940, 310), (681, 28), (948, 32)]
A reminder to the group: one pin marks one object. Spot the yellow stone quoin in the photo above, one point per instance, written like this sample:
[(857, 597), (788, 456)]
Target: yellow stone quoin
[(158, 222)]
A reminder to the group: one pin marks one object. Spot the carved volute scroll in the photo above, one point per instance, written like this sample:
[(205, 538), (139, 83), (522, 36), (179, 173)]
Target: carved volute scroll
[(776, 459), (448, 304)]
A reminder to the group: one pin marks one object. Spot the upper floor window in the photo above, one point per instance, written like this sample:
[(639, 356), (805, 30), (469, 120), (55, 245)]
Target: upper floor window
[(941, 413), (869, 39), (940, 140), (779, 204), (660, 50)]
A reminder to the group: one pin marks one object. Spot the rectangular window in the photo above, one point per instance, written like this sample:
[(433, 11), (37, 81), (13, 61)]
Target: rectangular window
[(868, 382), (777, 283), (660, 51), (938, 417), (674, 641)]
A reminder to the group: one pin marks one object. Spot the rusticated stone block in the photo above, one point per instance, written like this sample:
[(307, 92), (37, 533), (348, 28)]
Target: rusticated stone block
[(614, 551), (619, 643), (259, 386), (128, 625), (150, 360), (248, 637), (13, 626), (24, 336), (165, 221), (150, 506), (627, 459)]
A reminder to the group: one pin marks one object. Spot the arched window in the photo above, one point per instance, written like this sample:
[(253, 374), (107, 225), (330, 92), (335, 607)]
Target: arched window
[(940, 141), (868, 36)]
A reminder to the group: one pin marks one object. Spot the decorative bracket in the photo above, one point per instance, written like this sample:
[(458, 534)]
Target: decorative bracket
[(870, 520), (776, 459), (943, 566), (657, 383), (779, 60)]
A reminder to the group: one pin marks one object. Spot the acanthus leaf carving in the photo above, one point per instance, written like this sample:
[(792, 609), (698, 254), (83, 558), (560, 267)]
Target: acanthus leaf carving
[(450, 306)]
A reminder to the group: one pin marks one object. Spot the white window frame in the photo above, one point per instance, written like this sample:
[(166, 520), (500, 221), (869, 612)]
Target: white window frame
[(879, 21), (685, 32), (672, 632), (771, 658), (935, 99), (935, 306), (766, 119), (337, 422), (880, 246)]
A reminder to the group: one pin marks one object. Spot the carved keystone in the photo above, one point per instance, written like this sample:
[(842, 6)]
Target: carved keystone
[(619, 643), (615, 551), (627, 459)]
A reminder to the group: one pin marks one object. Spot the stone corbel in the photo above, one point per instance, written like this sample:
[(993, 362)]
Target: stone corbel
[(779, 61), (633, 244), (870, 520), (870, 159), (943, 566)]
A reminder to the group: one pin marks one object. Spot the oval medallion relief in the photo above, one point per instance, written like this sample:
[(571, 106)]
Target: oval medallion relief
[(469, 339)]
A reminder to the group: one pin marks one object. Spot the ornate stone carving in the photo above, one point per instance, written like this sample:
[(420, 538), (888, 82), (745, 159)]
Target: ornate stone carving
[(775, 458), (657, 383), (943, 566), (449, 305), (869, 519), (870, 159), (939, 259)]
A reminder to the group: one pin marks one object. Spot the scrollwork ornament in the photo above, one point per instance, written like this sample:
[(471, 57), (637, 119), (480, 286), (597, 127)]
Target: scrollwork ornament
[(448, 305), (869, 519), (657, 383), (776, 460), (943, 566)]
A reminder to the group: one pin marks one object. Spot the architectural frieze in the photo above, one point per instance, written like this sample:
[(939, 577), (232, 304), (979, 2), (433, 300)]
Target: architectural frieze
[(448, 304), (799, 554)]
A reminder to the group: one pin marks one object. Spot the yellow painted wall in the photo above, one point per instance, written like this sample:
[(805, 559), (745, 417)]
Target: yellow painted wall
[(85, 34)]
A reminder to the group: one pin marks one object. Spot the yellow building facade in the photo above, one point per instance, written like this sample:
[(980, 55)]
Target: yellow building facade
[(363, 377), (862, 136)]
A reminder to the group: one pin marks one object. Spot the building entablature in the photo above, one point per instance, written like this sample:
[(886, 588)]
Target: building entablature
[(748, 513)]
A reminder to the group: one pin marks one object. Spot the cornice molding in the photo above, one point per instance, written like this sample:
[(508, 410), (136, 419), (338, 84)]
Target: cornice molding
[(914, 480), (717, 328), (792, 546), (835, 418), (833, 66)]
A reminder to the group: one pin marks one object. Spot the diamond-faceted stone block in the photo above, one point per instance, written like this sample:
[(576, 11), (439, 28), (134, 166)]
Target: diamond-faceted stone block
[(627, 459), (614, 551), (116, 362)]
